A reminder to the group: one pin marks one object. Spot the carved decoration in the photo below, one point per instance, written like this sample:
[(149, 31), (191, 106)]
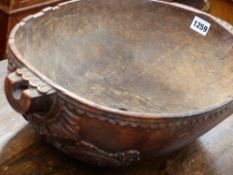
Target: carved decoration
[(61, 128), (68, 104), (61, 123)]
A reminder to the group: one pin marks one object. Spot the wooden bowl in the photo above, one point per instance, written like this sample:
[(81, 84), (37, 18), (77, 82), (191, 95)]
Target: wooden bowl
[(115, 82)]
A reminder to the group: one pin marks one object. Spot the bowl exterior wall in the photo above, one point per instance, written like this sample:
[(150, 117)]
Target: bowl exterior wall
[(101, 137)]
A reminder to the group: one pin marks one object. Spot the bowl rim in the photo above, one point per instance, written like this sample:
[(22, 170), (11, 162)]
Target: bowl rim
[(136, 115)]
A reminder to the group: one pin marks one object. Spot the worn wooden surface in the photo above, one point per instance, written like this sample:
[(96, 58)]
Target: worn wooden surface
[(12, 11), (32, 156), (23, 152), (114, 62), (220, 8)]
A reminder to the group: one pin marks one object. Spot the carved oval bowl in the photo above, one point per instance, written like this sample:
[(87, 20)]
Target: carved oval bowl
[(114, 82)]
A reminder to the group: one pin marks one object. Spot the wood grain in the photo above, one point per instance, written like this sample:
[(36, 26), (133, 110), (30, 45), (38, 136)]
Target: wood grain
[(14, 6), (3, 32), (23, 152), (222, 9), (12, 11), (137, 81)]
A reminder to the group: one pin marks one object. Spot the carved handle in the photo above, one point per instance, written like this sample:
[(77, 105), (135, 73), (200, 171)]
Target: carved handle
[(27, 93)]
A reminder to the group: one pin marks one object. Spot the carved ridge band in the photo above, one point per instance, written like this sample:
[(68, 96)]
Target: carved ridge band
[(114, 118)]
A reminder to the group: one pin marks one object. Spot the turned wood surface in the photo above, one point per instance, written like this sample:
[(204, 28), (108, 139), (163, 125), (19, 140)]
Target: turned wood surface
[(23, 152)]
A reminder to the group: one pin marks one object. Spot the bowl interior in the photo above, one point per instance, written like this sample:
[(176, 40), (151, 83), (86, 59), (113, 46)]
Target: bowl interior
[(134, 55)]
